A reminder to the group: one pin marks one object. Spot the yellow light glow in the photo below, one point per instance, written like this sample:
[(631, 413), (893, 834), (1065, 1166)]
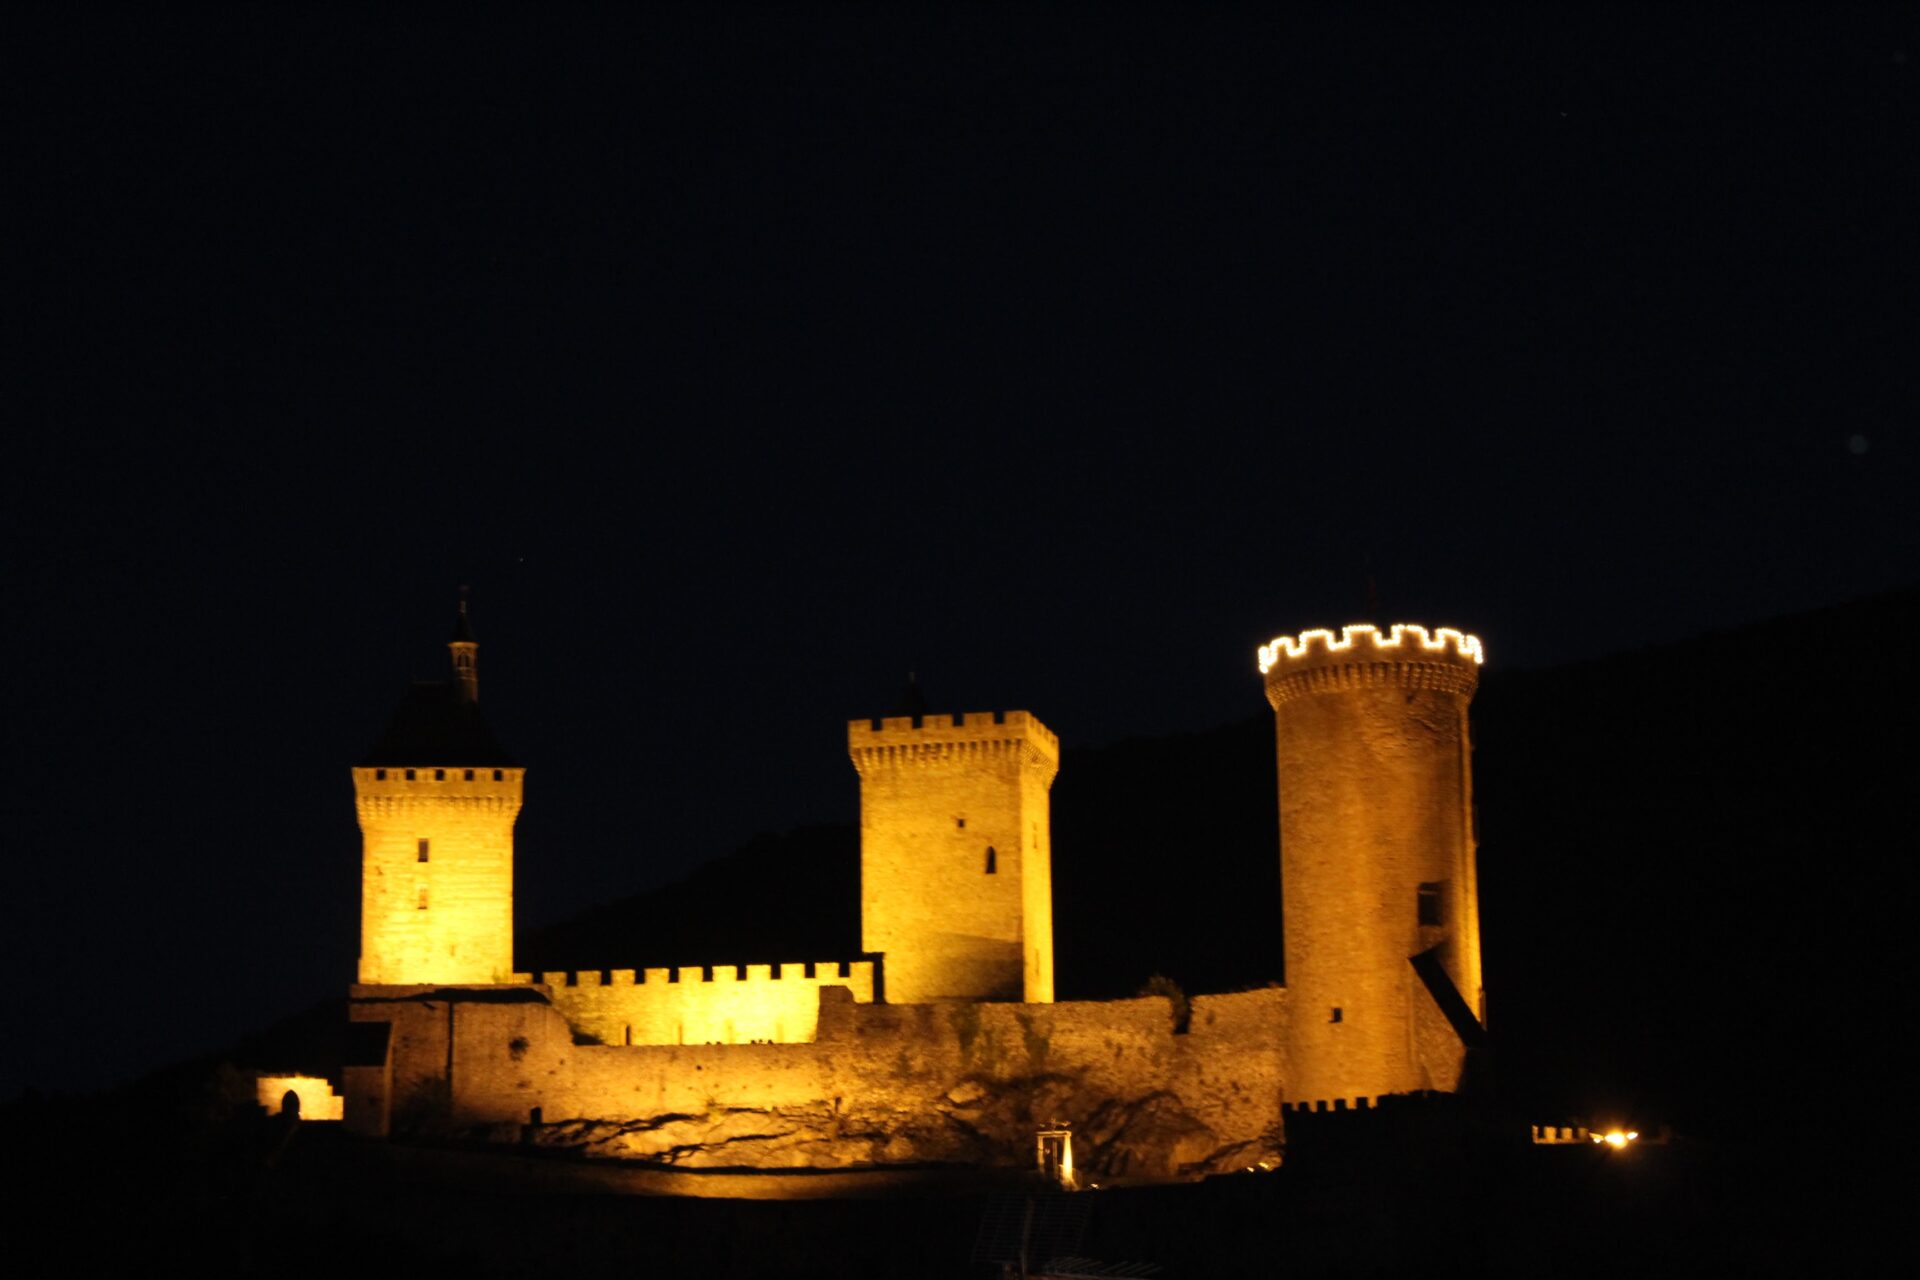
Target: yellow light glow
[(317, 1100), (1617, 1138), (1395, 637)]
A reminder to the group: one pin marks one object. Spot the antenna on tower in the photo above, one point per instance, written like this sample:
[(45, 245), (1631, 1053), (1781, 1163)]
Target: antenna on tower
[(911, 701)]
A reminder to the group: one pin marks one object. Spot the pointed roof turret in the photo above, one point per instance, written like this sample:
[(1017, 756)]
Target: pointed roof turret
[(463, 625), (466, 655), (439, 723)]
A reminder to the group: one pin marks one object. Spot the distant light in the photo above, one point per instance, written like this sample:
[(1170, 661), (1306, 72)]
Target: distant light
[(1618, 1138)]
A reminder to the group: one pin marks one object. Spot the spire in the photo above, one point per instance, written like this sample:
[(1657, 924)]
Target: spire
[(466, 654)]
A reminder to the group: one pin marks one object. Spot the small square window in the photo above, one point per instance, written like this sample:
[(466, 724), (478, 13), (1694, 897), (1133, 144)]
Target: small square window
[(439, 775), (409, 775), (469, 777), (499, 775), (379, 775)]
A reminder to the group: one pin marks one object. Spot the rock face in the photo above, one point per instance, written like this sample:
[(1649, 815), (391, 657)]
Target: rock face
[(1153, 1136), (960, 1084)]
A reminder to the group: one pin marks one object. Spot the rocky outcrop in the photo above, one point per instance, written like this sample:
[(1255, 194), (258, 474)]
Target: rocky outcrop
[(978, 1122)]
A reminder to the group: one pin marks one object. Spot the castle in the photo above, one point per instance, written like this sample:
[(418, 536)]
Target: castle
[(942, 1043)]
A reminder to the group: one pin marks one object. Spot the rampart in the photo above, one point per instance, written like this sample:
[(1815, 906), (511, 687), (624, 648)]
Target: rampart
[(880, 1084), (712, 1004)]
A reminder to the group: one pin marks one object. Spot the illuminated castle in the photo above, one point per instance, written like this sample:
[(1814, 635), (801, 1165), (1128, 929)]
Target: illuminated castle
[(943, 1043)]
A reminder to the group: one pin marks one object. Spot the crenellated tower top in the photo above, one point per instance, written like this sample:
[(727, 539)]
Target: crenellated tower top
[(893, 741), (1403, 654)]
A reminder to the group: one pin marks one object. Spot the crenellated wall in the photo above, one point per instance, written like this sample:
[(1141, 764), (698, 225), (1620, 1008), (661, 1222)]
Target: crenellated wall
[(881, 1084), (714, 1004)]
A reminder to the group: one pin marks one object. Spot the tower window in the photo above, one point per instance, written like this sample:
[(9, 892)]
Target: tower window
[(439, 775), (1429, 906), (469, 777), (379, 775), (422, 904), (421, 855), (1336, 1014), (959, 824), (993, 861), (498, 775), (409, 775)]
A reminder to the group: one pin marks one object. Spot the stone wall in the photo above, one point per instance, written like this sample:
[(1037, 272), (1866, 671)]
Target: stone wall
[(881, 1085), (717, 1004), (317, 1100)]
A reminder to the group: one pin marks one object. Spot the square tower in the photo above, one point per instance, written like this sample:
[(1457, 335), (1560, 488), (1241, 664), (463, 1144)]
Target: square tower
[(437, 798), (956, 885)]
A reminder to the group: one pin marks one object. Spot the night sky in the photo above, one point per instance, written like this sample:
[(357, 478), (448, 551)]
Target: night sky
[(744, 360)]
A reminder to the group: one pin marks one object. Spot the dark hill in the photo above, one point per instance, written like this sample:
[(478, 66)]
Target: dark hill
[(1690, 857)]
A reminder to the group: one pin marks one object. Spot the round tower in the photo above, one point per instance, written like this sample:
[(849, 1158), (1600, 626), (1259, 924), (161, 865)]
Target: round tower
[(1379, 898)]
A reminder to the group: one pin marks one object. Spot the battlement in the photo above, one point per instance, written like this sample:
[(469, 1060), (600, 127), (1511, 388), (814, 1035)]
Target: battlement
[(893, 741), (702, 1004), (436, 780), (857, 972), (1364, 642), (391, 793), (1362, 655)]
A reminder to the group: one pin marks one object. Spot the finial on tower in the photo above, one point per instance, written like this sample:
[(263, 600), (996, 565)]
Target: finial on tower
[(466, 653), (911, 701)]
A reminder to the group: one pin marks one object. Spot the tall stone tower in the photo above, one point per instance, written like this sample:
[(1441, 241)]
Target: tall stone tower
[(437, 798), (956, 885), (1381, 905)]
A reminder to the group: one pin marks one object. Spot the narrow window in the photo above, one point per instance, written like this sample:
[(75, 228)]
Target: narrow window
[(498, 775), (1336, 1014), (409, 775), (1429, 908), (959, 824), (379, 775), (423, 898), (469, 776), (993, 860), (439, 775), (420, 854)]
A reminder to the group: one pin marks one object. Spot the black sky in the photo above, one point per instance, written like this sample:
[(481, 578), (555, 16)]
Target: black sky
[(744, 359)]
